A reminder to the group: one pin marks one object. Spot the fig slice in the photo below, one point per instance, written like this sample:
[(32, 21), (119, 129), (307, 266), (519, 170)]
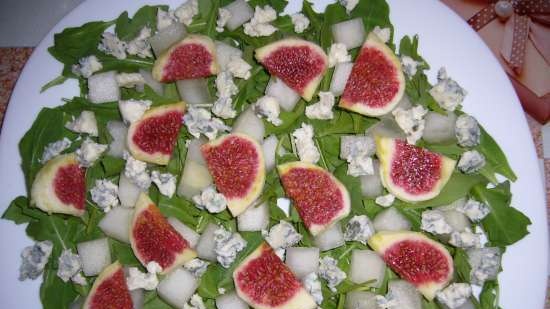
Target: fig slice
[(153, 239), (153, 137), (265, 282), (320, 198), (236, 163), (412, 173), (191, 58), (416, 258), (60, 186), (109, 290), (376, 82), (300, 64)]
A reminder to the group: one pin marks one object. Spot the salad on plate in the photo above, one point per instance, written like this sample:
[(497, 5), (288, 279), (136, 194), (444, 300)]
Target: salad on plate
[(224, 154)]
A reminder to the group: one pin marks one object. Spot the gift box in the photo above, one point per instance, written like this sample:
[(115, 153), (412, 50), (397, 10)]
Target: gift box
[(518, 33)]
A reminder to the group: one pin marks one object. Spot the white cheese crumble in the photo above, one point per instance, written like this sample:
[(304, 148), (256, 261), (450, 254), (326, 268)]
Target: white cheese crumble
[(87, 66), (226, 88), (328, 270), (282, 235), (54, 149), (84, 123), (111, 45), (166, 183), (147, 281), (224, 15), (227, 246), (196, 267), (338, 53), (136, 172), (433, 221), (89, 152), (349, 4), (447, 92), (474, 210), (33, 260), (221, 291), (455, 295), (210, 200), (260, 25), (382, 33), (485, 263), (409, 65), (268, 107), (411, 121), (313, 287), (467, 131), (359, 228), (105, 194), (187, 11), (385, 200), (303, 139), (323, 108), (199, 121), (165, 19), (69, 266), (195, 302), (357, 150), (133, 110), (300, 22), (129, 80), (471, 162), (386, 302), (238, 67), (140, 46)]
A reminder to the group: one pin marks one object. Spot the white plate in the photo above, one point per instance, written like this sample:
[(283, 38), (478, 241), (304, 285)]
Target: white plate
[(445, 39)]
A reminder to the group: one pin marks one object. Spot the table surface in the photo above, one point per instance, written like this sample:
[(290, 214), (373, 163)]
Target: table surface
[(12, 61)]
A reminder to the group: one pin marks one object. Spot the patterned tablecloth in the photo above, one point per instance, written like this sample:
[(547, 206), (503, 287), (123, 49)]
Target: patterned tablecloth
[(12, 61)]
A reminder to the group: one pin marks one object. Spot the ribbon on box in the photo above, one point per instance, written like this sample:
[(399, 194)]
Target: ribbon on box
[(525, 14)]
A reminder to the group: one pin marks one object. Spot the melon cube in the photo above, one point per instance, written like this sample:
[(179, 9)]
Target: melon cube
[(128, 192), (366, 265), (406, 294), (224, 52), (166, 37), (350, 33), (230, 301), (103, 87), (371, 185), (194, 91), (457, 220), (439, 128), (118, 132), (285, 95), (195, 177), (177, 287), (250, 124), (254, 218), (302, 261), (194, 151), (206, 244), (95, 255), (340, 77), (360, 299), (137, 298), (330, 238), (157, 87), (186, 232), (241, 12), (269, 146), (391, 219), (116, 224)]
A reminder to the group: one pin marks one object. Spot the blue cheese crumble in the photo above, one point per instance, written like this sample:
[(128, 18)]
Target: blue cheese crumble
[(69, 267), (260, 25), (129, 80), (226, 88), (140, 46), (385, 200), (283, 235), (111, 45), (323, 108), (433, 221), (196, 267), (136, 171), (411, 121), (455, 295), (84, 123), (313, 287), (269, 108), (485, 264), (199, 121), (195, 302), (132, 110), (447, 92), (54, 149), (409, 65), (166, 183), (328, 270), (210, 200), (474, 210), (87, 66), (147, 281), (465, 239), (338, 53), (359, 228), (467, 131), (33, 260), (187, 11), (105, 194), (224, 15), (303, 140), (89, 152), (471, 162), (300, 22), (238, 67), (227, 246)]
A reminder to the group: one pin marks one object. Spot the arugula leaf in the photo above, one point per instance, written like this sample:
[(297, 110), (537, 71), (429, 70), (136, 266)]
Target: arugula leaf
[(462, 266), (15, 213), (127, 29), (488, 298), (494, 156), (52, 285), (504, 225), (354, 188)]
